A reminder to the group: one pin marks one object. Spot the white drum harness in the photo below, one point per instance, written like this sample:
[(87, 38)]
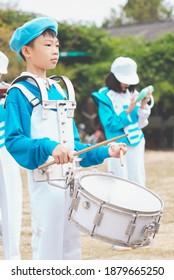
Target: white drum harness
[(64, 134)]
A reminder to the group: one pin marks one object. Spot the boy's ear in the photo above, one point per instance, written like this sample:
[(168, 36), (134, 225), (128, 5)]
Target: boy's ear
[(25, 51)]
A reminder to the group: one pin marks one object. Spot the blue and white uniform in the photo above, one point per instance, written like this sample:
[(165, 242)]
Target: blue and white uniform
[(115, 121), (31, 138), (10, 196)]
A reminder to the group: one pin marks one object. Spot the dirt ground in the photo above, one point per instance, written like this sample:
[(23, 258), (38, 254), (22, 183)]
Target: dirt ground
[(160, 179)]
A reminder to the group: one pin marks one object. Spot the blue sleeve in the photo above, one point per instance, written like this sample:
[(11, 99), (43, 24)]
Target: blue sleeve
[(110, 120), (93, 157), (2, 124), (29, 153), (2, 113)]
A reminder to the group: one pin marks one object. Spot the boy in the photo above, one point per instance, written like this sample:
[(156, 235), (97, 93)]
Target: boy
[(10, 183), (43, 129)]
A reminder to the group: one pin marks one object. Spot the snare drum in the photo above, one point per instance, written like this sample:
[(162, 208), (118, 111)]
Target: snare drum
[(115, 210)]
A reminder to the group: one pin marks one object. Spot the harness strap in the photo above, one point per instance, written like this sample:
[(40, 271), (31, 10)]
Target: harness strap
[(31, 98), (68, 84), (31, 78), (44, 94), (39, 83)]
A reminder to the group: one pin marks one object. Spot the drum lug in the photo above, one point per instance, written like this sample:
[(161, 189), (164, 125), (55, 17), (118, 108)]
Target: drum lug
[(131, 228), (75, 203), (97, 219)]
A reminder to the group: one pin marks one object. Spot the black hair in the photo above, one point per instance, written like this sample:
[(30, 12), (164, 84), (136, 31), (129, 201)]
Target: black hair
[(112, 83), (49, 32), (46, 32)]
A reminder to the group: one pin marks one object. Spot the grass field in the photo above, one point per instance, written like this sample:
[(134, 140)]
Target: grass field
[(160, 179)]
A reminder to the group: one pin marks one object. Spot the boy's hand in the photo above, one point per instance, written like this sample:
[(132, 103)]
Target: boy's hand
[(114, 149), (62, 155)]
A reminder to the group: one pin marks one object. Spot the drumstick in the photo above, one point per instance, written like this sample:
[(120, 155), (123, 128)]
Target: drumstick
[(121, 157), (103, 143)]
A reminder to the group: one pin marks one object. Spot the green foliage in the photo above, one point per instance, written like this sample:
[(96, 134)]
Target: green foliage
[(12, 19), (82, 38), (143, 10), (155, 59), (114, 19), (139, 11), (9, 21), (156, 68)]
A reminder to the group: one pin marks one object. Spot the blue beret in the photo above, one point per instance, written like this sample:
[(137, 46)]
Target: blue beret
[(31, 30)]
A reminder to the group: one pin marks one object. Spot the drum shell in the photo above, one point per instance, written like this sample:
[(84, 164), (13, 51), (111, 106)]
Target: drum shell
[(112, 223)]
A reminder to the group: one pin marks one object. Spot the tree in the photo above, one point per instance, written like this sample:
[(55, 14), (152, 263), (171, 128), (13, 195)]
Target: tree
[(138, 11), (142, 10), (115, 19), (155, 59)]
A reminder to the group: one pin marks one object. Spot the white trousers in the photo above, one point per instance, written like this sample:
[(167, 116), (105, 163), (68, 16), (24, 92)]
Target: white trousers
[(133, 168), (54, 237), (10, 205)]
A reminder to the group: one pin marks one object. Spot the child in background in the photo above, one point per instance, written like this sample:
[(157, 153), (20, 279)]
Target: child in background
[(119, 113), (10, 183)]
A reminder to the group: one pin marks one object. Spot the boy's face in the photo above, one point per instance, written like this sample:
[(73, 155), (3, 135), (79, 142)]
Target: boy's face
[(44, 52)]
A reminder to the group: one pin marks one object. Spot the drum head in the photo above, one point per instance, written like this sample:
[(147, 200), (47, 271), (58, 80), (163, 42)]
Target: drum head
[(121, 193)]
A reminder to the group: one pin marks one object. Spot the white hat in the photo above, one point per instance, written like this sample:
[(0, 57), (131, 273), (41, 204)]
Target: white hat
[(125, 70), (3, 63)]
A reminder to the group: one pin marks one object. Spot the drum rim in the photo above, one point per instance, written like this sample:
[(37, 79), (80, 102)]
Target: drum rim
[(104, 203)]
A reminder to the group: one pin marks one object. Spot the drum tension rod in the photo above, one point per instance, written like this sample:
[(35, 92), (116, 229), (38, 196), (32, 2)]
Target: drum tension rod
[(75, 203), (97, 219), (131, 227)]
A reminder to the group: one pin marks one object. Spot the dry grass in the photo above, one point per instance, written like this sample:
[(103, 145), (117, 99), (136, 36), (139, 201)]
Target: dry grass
[(160, 179)]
